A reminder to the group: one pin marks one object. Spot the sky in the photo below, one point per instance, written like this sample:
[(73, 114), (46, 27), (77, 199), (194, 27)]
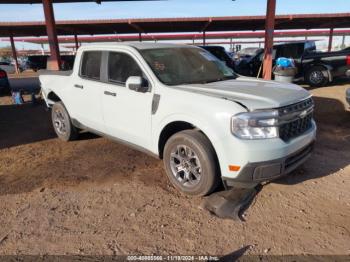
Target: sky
[(170, 8)]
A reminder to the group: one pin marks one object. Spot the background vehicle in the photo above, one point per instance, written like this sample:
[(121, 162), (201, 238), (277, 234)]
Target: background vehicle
[(247, 53), (183, 105), (39, 62), (4, 83), (8, 67), (220, 53), (315, 68)]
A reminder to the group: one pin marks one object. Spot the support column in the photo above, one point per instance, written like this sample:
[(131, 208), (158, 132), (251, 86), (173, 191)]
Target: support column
[(54, 62), (14, 54), (204, 40), (343, 42), (42, 49), (269, 30), (140, 37), (330, 39), (76, 42)]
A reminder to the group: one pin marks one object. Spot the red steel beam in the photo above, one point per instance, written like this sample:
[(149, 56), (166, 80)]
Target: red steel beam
[(331, 31), (140, 37), (269, 30), (76, 42), (54, 62), (298, 33), (14, 53)]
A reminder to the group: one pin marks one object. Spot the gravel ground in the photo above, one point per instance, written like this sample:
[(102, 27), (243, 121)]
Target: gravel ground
[(96, 197)]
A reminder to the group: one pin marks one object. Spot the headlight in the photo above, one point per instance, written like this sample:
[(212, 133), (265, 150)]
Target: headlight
[(255, 125)]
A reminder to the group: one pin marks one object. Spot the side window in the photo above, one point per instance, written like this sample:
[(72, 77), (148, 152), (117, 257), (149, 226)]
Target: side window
[(91, 65), (121, 66)]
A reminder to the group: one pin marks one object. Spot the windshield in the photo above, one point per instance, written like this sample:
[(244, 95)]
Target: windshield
[(186, 65)]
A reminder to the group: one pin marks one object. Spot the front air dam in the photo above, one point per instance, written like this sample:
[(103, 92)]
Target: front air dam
[(230, 203)]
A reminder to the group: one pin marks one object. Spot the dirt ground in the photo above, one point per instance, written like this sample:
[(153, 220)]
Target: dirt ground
[(96, 197)]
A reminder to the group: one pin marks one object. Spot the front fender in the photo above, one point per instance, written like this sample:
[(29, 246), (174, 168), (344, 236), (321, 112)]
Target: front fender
[(214, 132)]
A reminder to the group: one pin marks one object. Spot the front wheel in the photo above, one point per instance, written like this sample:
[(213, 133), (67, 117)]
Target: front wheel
[(190, 163), (62, 123), (317, 76)]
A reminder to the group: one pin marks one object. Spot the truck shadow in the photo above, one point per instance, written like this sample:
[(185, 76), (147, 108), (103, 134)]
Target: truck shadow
[(23, 124), (28, 123), (332, 147)]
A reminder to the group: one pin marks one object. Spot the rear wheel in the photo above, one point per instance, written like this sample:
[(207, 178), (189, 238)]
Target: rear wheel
[(62, 123), (190, 163), (317, 76)]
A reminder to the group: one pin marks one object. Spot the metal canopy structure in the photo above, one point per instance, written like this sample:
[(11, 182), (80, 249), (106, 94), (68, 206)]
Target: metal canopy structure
[(55, 61), (187, 36), (268, 23), (176, 25)]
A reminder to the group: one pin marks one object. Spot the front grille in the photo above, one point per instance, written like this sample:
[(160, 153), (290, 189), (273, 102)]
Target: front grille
[(295, 119)]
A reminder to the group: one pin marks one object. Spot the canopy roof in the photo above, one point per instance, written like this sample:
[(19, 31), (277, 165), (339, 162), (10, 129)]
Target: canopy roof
[(187, 36), (176, 25)]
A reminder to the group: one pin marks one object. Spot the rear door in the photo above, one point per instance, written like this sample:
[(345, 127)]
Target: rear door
[(127, 113), (87, 91)]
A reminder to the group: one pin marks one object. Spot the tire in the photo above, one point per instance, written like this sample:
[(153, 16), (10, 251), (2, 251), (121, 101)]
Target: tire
[(62, 123), (316, 76), (200, 158)]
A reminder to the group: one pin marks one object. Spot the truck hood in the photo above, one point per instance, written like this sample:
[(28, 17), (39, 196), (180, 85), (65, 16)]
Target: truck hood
[(252, 93)]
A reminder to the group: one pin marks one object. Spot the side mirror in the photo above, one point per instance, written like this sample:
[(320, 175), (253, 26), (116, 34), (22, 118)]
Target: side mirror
[(137, 83)]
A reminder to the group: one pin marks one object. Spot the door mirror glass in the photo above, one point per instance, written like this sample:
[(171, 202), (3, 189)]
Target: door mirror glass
[(137, 83)]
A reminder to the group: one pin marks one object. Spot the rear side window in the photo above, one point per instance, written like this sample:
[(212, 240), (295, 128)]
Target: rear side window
[(121, 66), (91, 65)]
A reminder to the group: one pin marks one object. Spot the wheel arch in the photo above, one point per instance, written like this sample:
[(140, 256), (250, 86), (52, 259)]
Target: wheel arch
[(52, 98), (175, 126)]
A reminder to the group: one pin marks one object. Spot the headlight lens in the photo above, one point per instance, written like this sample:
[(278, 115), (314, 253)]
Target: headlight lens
[(255, 125)]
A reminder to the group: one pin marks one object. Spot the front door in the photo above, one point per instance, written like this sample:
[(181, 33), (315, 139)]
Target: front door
[(127, 113)]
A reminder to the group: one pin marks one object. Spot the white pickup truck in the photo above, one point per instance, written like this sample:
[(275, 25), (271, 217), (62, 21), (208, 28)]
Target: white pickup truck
[(183, 105)]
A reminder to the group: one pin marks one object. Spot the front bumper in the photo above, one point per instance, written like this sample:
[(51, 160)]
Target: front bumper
[(258, 172), (265, 160)]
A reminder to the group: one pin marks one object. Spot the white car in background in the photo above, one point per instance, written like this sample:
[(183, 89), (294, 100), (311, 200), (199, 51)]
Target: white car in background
[(8, 67)]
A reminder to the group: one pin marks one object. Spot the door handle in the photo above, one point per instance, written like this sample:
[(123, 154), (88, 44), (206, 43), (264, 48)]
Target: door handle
[(110, 93), (79, 86)]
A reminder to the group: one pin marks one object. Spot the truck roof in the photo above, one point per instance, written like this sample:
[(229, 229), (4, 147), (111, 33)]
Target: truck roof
[(137, 45)]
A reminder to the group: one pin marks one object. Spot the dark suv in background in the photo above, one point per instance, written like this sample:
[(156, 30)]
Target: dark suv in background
[(38, 62), (315, 68), (220, 53)]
